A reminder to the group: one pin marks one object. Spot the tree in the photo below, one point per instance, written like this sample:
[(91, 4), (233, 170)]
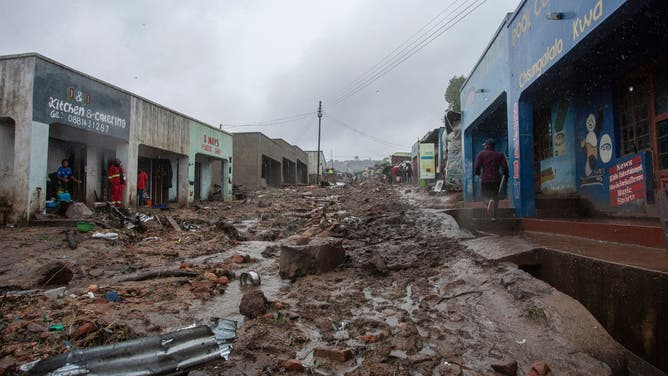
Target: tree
[(452, 93)]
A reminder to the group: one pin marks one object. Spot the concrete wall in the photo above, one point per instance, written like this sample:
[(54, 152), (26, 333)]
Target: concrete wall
[(629, 302), (209, 144), (159, 128), (16, 80), (247, 160), (312, 157)]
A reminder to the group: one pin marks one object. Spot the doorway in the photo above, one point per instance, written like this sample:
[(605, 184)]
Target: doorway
[(198, 181)]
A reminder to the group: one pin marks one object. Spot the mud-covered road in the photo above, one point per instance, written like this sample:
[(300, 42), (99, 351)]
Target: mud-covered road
[(409, 299)]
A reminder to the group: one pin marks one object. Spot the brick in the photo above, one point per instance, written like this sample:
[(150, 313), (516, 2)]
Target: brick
[(333, 353), (293, 365)]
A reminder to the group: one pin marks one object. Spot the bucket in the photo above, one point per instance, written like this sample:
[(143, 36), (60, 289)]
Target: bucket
[(85, 226), (64, 197)]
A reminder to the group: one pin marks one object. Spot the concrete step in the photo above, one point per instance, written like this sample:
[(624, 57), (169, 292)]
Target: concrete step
[(619, 231)]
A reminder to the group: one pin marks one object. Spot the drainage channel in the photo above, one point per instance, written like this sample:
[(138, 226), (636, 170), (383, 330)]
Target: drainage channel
[(631, 303)]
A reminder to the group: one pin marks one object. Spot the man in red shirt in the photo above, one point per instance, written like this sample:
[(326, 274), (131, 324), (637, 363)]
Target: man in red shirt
[(142, 177), (489, 161)]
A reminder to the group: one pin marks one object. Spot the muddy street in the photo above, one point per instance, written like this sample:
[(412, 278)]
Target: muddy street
[(409, 298)]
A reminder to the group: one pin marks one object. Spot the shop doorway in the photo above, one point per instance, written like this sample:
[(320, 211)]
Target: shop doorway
[(160, 178), (7, 136), (198, 181), (75, 155)]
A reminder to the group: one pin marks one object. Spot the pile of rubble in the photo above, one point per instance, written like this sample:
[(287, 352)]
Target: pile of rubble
[(336, 280)]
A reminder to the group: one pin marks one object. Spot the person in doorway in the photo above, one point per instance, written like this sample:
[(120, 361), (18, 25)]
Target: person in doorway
[(64, 176), (142, 178), (487, 165), (116, 176)]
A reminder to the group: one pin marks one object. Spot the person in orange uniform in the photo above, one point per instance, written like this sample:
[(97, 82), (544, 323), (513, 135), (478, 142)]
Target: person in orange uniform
[(116, 176), (142, 177)]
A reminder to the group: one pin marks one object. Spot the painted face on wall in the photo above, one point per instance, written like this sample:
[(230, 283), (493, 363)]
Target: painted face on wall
[(590, 123)]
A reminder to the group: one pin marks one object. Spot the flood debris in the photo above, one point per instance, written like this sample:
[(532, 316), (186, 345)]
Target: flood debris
[(173, 223), (370, 276), (319, 255), (250, 278), (165, 354)]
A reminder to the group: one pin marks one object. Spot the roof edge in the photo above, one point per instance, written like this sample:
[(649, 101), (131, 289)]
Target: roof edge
[(52, 61)]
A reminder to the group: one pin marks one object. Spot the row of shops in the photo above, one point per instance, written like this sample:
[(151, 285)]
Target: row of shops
[(576, 96), (50, 113), (265, 162), (436, 156)]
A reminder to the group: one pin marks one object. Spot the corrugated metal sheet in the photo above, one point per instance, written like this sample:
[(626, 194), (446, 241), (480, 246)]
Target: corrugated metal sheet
[(167, 354)]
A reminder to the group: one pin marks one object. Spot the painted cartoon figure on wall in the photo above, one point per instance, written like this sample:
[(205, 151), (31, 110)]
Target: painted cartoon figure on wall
[(593, 174)]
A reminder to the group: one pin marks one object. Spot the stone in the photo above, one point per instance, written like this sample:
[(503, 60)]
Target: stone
[(506, 368), (6, 364), (253, 304), (333, 353), (210, 277), (302, 240), (263, 204), (34, 327), (55, 273), (82, 330), (378, 265), (321, 255), (240, 259), (293, 365), (55, 293), (78, 210), (447, 369), (368, 338), (539, 368)]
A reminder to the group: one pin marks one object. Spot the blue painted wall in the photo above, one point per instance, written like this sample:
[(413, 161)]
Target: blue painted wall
[(584, 127), (481, 92), (535, 44)]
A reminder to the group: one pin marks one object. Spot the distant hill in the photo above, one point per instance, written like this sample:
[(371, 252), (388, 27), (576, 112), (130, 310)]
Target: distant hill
[(352, 166)]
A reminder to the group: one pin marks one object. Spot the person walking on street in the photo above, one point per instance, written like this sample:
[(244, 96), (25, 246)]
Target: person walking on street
[(489, 161), (116, 176)]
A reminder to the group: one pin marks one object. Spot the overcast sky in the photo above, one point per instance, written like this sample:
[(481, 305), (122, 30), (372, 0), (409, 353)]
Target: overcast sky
[(241, 62)]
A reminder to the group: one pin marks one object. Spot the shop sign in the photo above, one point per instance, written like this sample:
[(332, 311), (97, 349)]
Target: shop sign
[(543, 31), (627, 181), (427, 165), (211, 144), (65, 97)]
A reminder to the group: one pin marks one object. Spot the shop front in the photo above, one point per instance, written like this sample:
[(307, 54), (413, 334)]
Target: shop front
[(588, 105), (484, 108), (84, 123), (210, 168)]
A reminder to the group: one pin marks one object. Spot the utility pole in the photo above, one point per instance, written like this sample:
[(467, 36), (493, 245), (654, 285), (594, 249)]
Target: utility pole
[(319, 124)]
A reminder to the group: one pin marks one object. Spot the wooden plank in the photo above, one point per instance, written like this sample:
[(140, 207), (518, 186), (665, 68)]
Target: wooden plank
[(173, 223)]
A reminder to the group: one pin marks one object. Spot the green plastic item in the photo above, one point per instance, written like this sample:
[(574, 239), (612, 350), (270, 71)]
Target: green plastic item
[(85, 226), (57, 327)]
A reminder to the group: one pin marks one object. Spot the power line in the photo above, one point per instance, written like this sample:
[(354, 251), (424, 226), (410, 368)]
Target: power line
[(282, 120), (407, 51), (399, 47), (400, 59), (374, 138)]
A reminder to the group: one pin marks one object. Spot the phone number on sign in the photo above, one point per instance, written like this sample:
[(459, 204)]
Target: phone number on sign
[(81, 122)]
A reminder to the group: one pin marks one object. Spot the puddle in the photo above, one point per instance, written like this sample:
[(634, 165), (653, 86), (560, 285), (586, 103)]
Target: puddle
[(227, 304)]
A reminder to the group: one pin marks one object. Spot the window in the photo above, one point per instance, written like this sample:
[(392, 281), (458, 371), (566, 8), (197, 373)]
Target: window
[(634, 116)]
